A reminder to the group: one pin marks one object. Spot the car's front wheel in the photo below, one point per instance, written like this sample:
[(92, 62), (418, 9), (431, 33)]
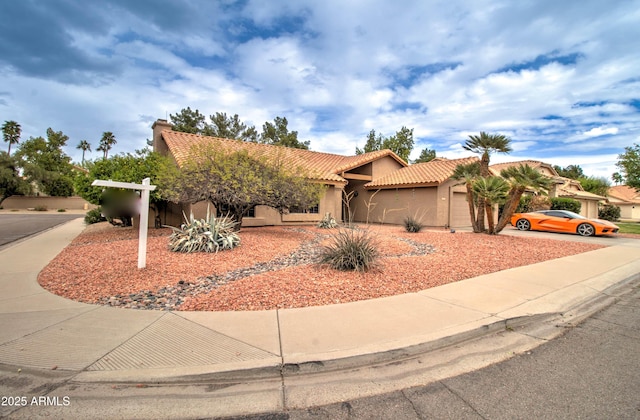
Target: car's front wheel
[(523, 224), (585, 229)]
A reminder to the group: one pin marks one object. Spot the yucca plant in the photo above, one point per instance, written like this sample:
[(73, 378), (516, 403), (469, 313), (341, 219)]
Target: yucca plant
[(412, 225), (350, 250), (212, 234), (328, 222)]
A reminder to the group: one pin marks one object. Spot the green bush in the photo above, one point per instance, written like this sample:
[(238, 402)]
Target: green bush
[(530, 203), (61, 210), (609, 212), (412, 225), (94, 216), (327, 222), (40, 208), (562, 203), (204, 235), (350, 250)]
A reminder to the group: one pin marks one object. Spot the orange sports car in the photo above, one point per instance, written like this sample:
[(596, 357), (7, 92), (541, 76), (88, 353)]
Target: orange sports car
[(562, 221)]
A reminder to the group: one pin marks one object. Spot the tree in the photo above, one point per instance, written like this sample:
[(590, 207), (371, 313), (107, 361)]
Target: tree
[(84, 146), (45, 163), (400, 143), (629, 164), (485, 144), (617, 178), (11, 131), (106, 143), (123, 168), (426, 155), (571, 171), (188, 121), (278, 134), (595, 185), (230, 128), (491, 190), (520, 179), (468, 173), (236, 182), (373, 143), (11, 183)]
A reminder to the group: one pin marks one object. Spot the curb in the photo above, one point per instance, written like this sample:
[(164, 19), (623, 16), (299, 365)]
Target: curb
[(542, 327)]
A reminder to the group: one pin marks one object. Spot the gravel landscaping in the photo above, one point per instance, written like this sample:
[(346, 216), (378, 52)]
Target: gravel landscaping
[(276, 267)]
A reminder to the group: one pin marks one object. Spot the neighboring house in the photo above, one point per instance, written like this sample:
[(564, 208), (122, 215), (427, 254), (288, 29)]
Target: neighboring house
[(562, 187), (380, 186), (628, 199)]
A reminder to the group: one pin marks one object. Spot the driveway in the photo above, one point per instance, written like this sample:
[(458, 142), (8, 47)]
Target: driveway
[(601, 240), (14, 227)]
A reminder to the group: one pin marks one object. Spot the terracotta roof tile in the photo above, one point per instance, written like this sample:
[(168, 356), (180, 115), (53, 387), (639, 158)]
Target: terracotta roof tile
[(625, 193), (321, 166), (428, 173), (498, 167)]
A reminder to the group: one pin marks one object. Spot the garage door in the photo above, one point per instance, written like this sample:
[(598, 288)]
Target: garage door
[(460, 210)]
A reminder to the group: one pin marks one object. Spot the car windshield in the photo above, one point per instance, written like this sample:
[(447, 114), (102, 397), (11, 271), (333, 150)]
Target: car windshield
[(573, 215)]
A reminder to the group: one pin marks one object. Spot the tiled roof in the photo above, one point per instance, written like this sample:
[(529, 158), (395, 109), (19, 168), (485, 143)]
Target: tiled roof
[(564, 192), (498, 167), (625, 193), (433, 172), (320, 166)]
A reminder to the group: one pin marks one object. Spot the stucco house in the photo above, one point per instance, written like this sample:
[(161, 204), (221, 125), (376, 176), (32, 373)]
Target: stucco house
[(628, 199), (377, 187), (561, 187)]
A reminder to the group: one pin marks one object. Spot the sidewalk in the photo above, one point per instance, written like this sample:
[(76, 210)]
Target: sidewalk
[(103, 344)]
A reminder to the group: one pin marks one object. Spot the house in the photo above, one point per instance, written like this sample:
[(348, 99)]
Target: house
[(561, 187), (375, 187), (628, 199)]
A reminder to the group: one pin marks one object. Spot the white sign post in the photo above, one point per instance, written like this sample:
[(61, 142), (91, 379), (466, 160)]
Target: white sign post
[(145, 187)]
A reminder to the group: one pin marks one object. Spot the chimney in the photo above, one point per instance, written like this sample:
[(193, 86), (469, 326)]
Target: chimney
[(159, 144)]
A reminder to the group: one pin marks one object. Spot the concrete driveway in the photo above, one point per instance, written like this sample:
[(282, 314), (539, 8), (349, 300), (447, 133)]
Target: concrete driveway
[(601, 240)]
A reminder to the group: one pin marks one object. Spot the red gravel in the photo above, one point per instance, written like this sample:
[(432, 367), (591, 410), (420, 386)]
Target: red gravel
[(102, 262)]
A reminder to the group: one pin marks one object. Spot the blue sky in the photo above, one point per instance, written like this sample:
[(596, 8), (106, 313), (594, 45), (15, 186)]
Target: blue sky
[(560, 78)]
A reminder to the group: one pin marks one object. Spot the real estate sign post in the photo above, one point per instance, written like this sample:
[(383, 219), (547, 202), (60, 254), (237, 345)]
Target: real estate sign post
[(144, 188)]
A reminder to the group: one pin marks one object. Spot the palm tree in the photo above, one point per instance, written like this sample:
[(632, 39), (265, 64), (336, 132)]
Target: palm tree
[(11, 131), (106, 143), (84, 146), (468, 173), (486, 144), (492, 190), (520, 179)]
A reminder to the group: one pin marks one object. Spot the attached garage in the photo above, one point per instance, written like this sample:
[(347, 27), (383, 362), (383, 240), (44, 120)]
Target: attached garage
[(460, 210)]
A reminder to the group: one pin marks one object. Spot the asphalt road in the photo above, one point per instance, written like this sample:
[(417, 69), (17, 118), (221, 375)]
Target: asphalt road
[(591, 372), (14, 227)]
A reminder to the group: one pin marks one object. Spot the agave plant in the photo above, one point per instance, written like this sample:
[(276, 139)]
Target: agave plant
[(328, 222), (204, 235)]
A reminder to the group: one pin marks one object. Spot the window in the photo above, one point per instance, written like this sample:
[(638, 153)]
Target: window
[(315, 209)]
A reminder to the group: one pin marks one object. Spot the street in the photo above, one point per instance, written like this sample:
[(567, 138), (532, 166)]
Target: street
[(14, 227)]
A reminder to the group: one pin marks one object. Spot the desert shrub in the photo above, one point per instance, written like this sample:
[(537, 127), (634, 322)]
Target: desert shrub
[(350, 250), (41, 208), (61, 210), (211, 234), (563, 203), (411, 224), (609, 212), (530, 203), (94, 216), (327, 222)]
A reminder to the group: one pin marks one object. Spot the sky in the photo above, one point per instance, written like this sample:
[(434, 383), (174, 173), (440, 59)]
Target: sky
[(561, 79)]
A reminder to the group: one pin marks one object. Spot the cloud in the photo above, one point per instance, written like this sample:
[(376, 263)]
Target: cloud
[(600, 131), (560, 79)]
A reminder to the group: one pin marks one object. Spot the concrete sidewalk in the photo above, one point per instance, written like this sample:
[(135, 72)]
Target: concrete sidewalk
[(103, 344)]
